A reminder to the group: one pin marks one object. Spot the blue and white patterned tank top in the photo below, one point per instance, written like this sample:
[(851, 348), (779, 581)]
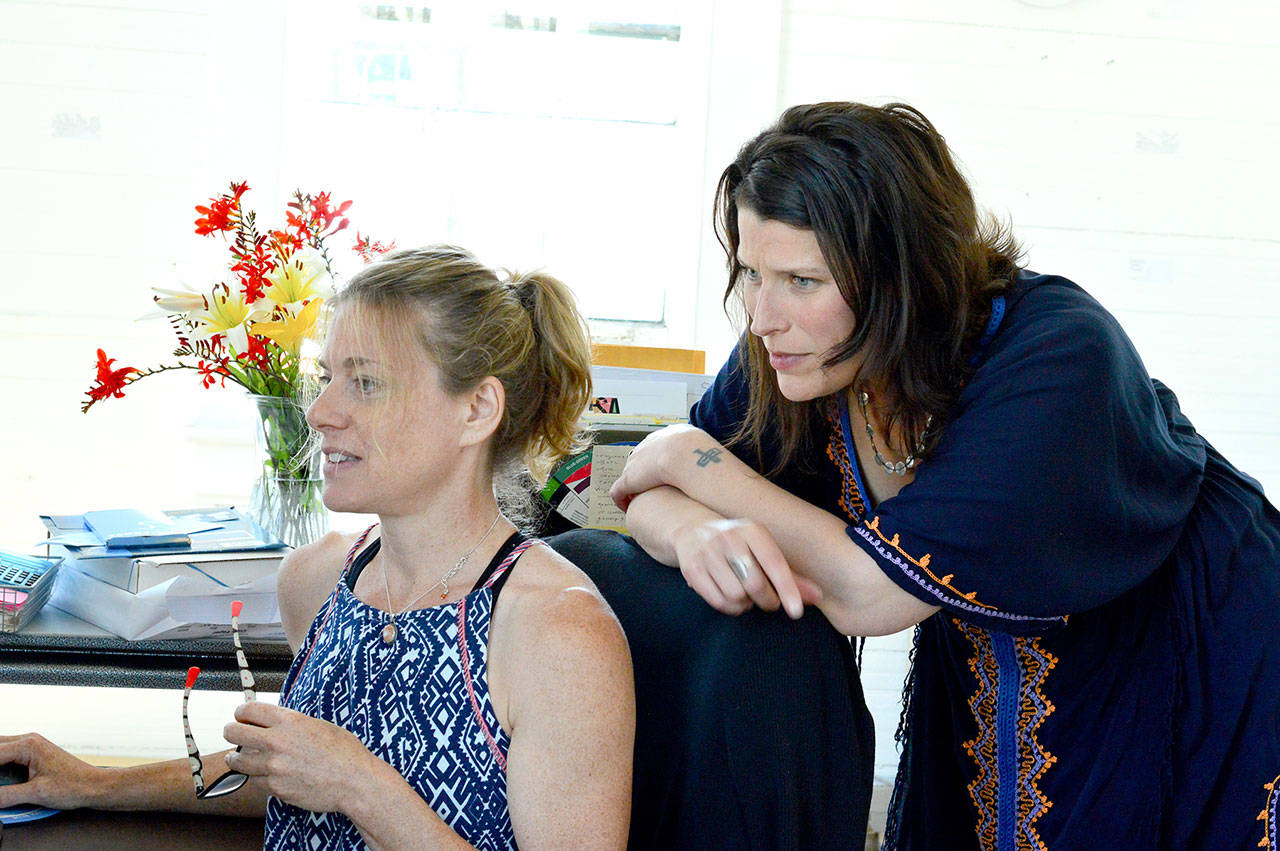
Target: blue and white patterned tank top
[(421, 704)]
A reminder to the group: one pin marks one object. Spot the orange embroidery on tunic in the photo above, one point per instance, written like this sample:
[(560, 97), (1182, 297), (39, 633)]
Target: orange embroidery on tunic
[(984, 788), (923, 563), (1270, 815), (1015, 688), (850, 498)]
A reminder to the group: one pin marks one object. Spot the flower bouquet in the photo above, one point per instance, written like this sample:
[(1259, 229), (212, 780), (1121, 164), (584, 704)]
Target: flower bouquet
[(251, 332)]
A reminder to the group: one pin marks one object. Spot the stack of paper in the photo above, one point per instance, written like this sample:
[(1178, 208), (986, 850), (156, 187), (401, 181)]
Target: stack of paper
[(173, 574), (629, 396), (179, 608)]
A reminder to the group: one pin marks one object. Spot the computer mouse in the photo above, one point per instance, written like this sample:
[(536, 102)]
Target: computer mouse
[(13, 772)]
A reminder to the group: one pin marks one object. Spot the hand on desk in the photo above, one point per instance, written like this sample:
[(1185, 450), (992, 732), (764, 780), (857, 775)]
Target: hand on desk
[(57, 779)]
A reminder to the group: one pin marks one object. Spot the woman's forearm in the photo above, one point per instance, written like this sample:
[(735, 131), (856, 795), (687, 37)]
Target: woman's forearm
[(656, 516), (168, 786), (856, 596)]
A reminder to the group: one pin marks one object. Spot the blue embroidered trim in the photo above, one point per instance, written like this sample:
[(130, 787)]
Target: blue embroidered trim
[(924, 583), (993, 325), (1008, 705), (1008, 688)]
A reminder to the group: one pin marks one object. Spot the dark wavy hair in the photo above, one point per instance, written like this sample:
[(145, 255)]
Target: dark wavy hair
[(898, 227)]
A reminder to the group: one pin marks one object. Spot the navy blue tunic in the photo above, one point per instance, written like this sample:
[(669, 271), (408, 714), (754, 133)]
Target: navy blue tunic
[(1105, 667)]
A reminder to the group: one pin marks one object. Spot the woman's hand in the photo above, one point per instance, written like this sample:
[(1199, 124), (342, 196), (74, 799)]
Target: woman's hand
[(648, 467), (55, 778), (734, 564), (301, 760)]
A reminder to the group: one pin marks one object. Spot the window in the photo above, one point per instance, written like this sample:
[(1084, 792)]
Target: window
[(554, 134)]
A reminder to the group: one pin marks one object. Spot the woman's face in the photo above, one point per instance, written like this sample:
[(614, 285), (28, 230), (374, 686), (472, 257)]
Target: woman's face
[(795, 306), (389, 431)]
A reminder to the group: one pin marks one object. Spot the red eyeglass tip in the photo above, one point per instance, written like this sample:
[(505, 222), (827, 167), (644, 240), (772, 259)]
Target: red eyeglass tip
[(235, 608), (191, 676)]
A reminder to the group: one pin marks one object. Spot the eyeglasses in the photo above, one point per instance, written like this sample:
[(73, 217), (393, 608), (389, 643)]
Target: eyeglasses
[(232, 780)]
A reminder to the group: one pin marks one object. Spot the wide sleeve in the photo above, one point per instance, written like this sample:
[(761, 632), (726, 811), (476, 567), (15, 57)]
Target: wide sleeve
[(1057, 486), (723, 405)]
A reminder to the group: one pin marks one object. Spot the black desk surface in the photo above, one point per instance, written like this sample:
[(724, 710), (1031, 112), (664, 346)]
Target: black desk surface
[(87, 829), (60, 649)]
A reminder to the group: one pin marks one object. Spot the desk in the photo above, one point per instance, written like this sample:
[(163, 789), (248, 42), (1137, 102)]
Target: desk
[(92, 829), (59, 649)]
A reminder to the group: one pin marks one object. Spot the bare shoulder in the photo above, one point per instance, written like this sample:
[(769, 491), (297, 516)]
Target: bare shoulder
[(566, 697), (307, 575), (553, 636), (548, 597)]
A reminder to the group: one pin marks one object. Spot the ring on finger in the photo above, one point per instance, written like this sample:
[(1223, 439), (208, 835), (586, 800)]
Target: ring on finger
[(740, 566)]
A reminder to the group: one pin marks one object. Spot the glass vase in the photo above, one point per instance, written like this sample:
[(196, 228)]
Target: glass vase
[(286, 498)]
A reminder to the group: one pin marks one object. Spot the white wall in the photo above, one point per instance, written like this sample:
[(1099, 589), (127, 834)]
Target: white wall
[(1132, 144)]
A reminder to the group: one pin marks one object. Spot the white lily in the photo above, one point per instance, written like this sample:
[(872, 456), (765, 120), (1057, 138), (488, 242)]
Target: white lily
[(301, 277), (168, 302), (178, 301), (230, 316)]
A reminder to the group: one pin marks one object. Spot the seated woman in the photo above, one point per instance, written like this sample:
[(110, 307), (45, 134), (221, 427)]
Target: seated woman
[(924, 434), (423, 709)]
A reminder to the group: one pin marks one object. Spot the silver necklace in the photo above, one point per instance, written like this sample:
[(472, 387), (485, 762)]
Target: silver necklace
[(897, 468), (390, 632)]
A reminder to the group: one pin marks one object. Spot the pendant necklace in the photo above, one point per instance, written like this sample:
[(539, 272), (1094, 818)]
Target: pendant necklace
[(390, 632), (897, 468)]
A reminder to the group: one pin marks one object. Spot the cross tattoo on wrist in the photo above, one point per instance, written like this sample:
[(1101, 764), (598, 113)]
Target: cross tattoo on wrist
[(708, 456)]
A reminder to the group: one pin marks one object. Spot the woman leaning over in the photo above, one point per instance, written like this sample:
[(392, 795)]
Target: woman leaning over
[(422, 709), (925, 434)]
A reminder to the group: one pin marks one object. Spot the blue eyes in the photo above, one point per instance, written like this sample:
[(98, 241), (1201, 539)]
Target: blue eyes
[(361, 385), (751, 276)]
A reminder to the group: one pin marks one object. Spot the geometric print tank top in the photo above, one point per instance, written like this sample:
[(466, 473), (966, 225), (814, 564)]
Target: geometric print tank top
[(421, 704)]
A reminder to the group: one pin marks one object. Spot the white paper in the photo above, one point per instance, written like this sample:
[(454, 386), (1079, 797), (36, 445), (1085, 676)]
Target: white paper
[(197, 600), (656, 398), (606, 465), (180, 608), (694, 385)]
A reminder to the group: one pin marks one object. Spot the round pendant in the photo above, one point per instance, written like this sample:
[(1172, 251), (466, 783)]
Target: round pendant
[(389, 634)]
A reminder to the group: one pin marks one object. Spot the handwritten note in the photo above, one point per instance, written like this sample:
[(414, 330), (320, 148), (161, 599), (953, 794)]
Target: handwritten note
[(606, 465)]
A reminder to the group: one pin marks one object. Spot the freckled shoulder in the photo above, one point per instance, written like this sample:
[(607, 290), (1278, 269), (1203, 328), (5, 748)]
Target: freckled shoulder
[(560, 674), (542, 574), (307, 575), (549, 603)]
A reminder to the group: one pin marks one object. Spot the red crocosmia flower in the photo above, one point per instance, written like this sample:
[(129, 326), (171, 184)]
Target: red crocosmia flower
[(252, 282), (287, 240), (109, 382), (257, 353), (218, 216), (370, 249), (211, 373), (326, 220), (239, 189)]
